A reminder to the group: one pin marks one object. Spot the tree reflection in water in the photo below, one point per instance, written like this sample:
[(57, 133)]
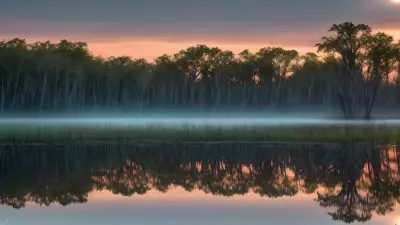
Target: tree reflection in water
[(354, 182)]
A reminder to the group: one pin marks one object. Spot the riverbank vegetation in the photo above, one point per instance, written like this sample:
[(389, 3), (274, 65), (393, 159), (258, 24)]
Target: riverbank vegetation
[(45, 134)]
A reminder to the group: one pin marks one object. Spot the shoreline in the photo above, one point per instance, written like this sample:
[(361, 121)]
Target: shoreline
[(44, 133)]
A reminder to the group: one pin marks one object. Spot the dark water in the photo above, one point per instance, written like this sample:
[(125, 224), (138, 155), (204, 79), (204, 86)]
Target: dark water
[(200, 184)]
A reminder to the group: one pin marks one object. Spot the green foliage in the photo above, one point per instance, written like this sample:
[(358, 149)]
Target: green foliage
[(19, 134), (366, 61), (46, 76)]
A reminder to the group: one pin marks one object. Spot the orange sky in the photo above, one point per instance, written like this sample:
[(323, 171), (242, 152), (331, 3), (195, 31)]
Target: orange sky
[(150, 29), (149, 48), (149, 40)]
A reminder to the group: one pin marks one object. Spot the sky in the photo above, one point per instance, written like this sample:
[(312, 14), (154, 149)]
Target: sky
[(149, 28)]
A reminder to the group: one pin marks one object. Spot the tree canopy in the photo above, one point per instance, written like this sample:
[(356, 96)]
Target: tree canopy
[(359, 68)]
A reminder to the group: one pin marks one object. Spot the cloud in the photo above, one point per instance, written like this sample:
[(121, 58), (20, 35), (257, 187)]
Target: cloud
[(172, 23)]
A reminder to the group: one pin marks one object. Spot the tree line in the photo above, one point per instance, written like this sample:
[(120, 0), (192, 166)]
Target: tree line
[(358, 69), (354, 182)]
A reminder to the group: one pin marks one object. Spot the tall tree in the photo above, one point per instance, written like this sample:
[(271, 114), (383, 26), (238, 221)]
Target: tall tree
[(348, 43)]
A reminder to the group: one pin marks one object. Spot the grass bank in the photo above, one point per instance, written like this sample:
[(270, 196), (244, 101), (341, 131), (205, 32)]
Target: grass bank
[(74, 133)]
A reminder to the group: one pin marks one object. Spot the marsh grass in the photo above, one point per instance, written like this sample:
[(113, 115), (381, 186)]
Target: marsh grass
[(188, 133)]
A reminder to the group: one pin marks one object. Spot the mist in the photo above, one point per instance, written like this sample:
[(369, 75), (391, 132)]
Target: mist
[(199, 117)]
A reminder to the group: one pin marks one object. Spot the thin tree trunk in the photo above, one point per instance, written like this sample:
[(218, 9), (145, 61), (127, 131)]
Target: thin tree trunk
[(43, 92)]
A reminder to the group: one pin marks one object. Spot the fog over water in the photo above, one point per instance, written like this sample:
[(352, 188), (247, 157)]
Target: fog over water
[(292, 117)]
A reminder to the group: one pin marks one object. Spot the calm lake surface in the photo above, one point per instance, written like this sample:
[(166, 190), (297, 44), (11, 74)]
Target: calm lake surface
[(175, 184)]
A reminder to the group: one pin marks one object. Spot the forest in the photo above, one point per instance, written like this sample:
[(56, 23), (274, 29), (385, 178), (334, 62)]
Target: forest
[(355, 70)]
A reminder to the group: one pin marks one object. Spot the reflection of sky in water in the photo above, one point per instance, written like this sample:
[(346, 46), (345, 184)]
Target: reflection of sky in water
[(180, 207), (357, 181)]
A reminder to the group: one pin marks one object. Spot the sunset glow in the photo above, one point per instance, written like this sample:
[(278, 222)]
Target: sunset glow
[(152, 47), (200, 112)]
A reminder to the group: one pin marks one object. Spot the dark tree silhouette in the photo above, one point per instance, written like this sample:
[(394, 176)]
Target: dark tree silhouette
[(53, 77), (359, 50)]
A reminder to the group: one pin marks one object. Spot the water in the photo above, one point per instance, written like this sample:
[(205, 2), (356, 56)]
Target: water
[(178, 184)]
